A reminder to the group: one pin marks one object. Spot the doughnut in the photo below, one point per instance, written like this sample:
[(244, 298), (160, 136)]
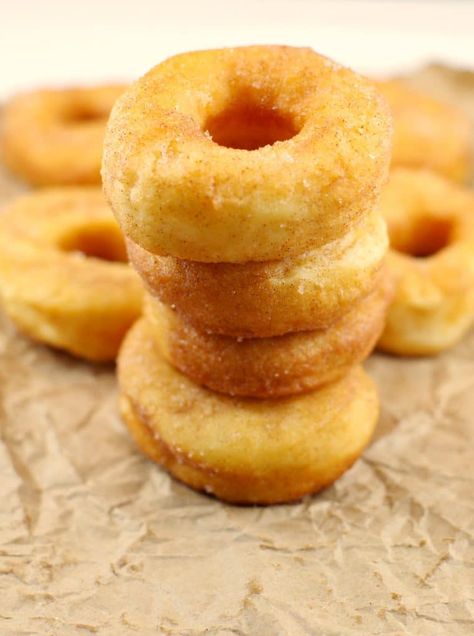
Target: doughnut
[(431, 229), (238, 449), (55, 137), (428, 133), (245, 154), (270, 367), (309, 291), (63, 276)]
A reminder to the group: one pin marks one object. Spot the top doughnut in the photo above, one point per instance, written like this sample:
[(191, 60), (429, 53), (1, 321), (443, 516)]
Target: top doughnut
[(245, 154)]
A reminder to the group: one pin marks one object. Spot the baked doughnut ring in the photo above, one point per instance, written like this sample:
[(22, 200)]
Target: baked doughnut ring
[(431, 228), (428, 133), (50, 289), (245, 154), (242, 450), (271, 367), (55, 137), (309, 291)]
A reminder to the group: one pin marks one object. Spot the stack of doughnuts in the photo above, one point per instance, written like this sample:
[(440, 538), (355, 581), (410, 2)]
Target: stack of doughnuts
[(247, 182)]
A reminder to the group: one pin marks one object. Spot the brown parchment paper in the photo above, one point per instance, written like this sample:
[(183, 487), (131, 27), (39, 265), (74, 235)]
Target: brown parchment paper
[(94, 539)]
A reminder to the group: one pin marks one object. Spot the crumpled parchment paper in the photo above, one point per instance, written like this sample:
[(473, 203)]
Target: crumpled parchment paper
[(94, 539)]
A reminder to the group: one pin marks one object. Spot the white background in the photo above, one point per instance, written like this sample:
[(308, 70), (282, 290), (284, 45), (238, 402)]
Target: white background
[(60, 42)]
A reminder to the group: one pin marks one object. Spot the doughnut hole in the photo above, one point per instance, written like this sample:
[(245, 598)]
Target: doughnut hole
[(96, 242), (80, 114), (246, 124), (426, 236)]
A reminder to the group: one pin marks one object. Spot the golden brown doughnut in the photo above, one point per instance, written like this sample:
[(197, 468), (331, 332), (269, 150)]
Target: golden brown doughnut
[(245, 154), (271, 367), (63, 276), (310, 291), (431, 228), (428, 133), (242, 450), (55, 137)]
